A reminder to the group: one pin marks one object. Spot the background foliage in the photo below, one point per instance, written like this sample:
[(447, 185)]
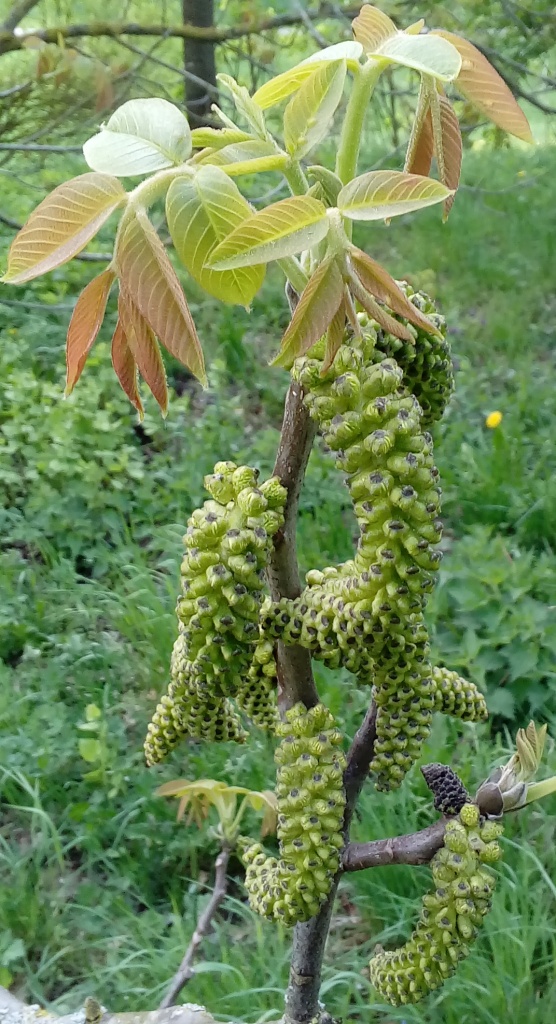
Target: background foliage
[(99, 887)]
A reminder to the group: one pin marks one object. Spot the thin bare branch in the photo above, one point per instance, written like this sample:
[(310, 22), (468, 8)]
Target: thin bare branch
[(10, 41), (186, 970), (18, 12)]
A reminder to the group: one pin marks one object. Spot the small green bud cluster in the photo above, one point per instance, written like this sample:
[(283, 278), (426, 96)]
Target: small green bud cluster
[(450, 916), (228, 542), (373, 424), (427, 363), (189, 709), (256, 695), (311, 803), (455, 696)]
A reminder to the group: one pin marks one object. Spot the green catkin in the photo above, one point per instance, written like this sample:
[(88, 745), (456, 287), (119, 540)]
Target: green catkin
[(455, 696), (372, 423), (311, 802), (427, 365), (451, 913), (189, 710), (256, 695), (228, 542)]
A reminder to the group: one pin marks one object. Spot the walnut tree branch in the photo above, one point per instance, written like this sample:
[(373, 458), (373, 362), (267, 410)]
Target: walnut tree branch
[(413, 848), (186, 970)]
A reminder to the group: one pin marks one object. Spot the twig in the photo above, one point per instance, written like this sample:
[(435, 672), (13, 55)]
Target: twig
[(11, 41), (413, 848), (18, 12), (186, 970)]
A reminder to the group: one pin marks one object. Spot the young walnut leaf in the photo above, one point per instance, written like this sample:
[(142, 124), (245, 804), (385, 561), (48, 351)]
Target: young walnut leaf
[(142, 136), (371, 27), (421, 53), (201, 212), (420, 148), (448, 148), (282, 86), (62, 225), (125, 367), (376, 280), (377, 312), (481, 84), (308, 115), (283, 229), (149, 277), (144, 349), (245, 105), (317, 306), (334, 337), (85, 323), (217, 138), (379, 195), (248, 157)]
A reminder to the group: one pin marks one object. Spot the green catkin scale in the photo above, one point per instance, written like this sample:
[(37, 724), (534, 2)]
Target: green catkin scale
[(311, 802), (455, 696), (228, 542), (256, 694), (188, 710), (451, 913), (372, 423)]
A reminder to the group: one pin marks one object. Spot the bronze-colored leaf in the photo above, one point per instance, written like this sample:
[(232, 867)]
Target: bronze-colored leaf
[(144, 349), (377, 312), (371, 27), (125, 367), (452, 149), (150, 279), (315, 310), (334, 337), (62, 224), (85, 323), (376, 280), (420, 149), (481, 84)]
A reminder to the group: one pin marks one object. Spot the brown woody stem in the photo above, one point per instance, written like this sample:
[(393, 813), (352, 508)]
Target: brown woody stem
[(414, 848), (186, 970)]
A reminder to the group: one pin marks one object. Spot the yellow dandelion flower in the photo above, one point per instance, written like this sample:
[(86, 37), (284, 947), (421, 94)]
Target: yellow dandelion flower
[(493, 420)]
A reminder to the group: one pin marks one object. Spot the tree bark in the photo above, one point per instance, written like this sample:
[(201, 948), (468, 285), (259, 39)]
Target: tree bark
[(199, 60)]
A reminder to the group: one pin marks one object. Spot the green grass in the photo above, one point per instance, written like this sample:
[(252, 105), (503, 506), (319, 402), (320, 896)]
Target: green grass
[(99, 887)]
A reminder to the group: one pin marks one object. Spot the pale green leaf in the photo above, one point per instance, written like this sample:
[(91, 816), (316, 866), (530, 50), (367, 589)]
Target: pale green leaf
[(217, 138), (308, 115), (246, 158), (378, 195), (422, 53), (201, 212), (282, 86), (142, 136), (285, 228), (90, 750), (349, 50), (92, 713), (62, 224), (245, 105)]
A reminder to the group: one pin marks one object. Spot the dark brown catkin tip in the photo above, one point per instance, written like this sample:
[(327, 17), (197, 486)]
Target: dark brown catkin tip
[(448, 790)]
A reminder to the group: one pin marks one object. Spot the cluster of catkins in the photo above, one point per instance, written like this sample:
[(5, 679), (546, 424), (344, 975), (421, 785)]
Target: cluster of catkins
[(219, 653), (373, 405), (311, 802), (451, 913)]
